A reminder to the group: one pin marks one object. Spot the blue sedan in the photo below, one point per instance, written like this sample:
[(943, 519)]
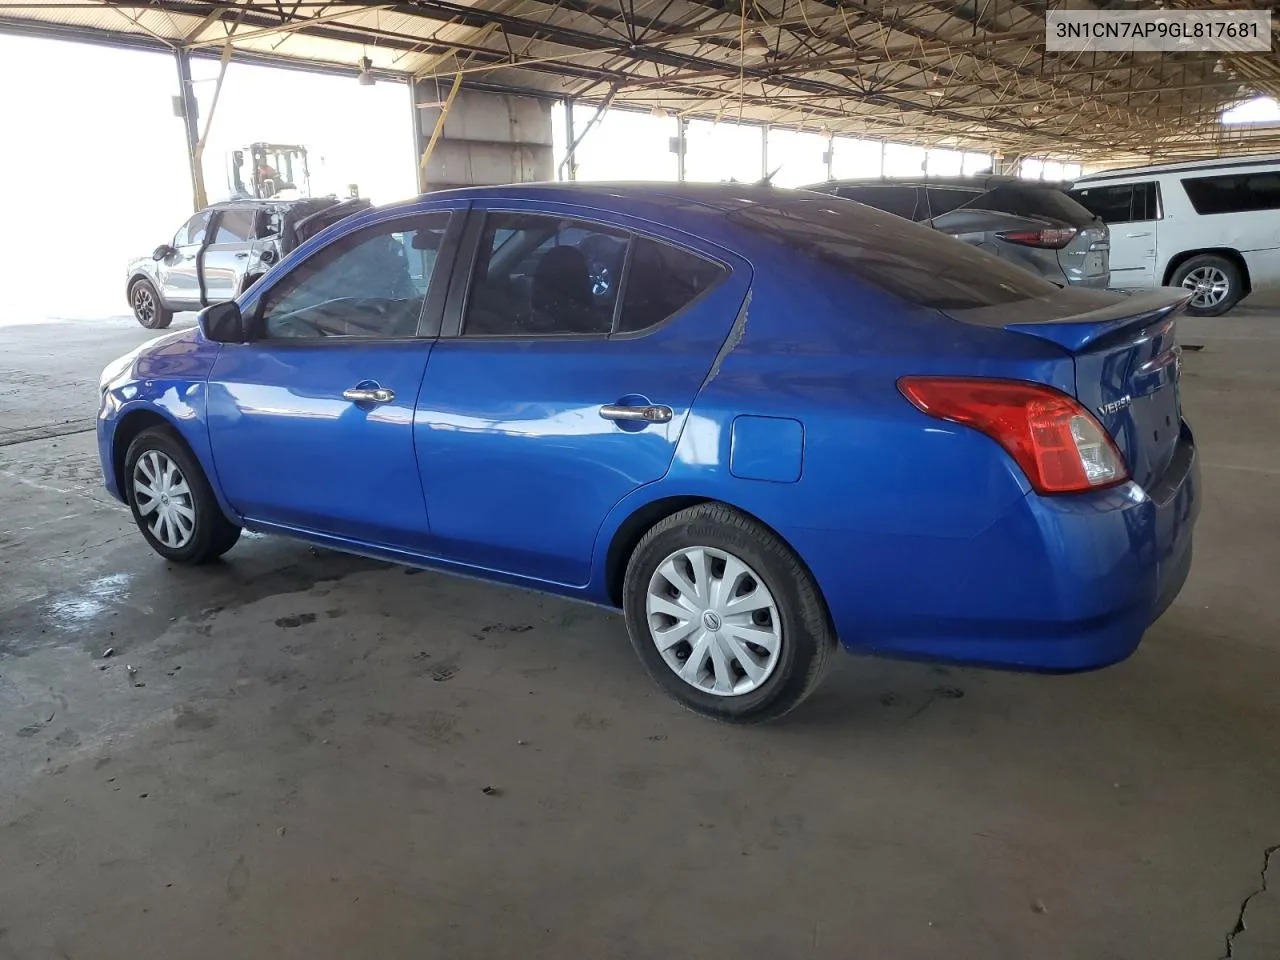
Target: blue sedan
[(761, 423)]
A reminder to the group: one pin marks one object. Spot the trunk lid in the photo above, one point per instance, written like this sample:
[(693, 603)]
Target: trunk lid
[(1127, 363)]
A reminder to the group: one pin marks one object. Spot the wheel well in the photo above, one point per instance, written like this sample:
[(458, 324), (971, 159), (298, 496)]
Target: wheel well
[(134, 279), (1225, 252), (632, 531), (127, 429)]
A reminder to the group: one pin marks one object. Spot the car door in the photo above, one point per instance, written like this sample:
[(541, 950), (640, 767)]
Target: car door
[(1132, 212), (177, 273), (311, 423), (227, 256), (571, 356)]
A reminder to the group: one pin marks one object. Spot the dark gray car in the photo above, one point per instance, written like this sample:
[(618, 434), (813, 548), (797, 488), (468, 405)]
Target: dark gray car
[(1027, 222), (218, 253)]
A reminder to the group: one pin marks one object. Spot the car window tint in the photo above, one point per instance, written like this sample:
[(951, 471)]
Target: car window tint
[(901, 201), (945, 199), (1237, 193), (370, 283), (539, 275), (1113, 203), (1030, 201), (193, 230), (661, 281), (1146, 205), (234, 226), (912, 262)]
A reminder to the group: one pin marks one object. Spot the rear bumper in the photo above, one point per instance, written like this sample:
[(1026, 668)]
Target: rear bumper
[(1097, 282), (1059, 584)]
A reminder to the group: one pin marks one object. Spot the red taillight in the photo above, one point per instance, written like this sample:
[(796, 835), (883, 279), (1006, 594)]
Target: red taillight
[(1056, 441), (1054, 238)]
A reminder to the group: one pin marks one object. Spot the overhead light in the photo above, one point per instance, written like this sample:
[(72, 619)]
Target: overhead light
[(658, 112), (365, 77), (756, 43), (824, 131), (935, 93)]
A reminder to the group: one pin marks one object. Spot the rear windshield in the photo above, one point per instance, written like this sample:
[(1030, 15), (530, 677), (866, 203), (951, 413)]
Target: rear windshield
[(907, 260), (1029, 201)]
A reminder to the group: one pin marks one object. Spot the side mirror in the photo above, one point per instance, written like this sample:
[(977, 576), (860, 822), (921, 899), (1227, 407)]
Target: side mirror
[(163, 252), (223, 323)]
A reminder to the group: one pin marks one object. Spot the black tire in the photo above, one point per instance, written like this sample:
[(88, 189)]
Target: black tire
[(807, 637), (211, 534), (1229, 269), (147, 309)]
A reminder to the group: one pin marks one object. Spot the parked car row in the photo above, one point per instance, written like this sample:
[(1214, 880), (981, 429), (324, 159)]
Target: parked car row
[(1211, 227), (761, 423), (1032, 224)]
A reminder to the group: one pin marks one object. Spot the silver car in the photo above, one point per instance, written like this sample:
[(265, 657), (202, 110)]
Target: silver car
[(222, 250), (1033, 224)]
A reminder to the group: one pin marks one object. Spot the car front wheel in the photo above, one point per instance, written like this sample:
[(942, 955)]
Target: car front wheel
[(724, 615), (146, 306), (172, 501)]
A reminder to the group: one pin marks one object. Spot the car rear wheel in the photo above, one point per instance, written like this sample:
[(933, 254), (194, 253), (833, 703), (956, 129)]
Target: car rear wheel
[(725, 617), (1216, 284), (172, 501), (146, 305)]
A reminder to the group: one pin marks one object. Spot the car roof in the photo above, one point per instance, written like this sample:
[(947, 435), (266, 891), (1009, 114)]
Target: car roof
[(986, 181), (1187, 166), (258, 202), (713, 196)]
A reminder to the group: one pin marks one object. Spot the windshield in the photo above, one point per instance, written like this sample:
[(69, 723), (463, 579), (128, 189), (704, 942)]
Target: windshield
[(912, 262)]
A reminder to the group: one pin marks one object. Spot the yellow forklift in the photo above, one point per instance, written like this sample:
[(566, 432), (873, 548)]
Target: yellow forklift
[(266, 170)]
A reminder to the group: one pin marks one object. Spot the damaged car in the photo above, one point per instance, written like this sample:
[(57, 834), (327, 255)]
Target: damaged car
[(222, 251)]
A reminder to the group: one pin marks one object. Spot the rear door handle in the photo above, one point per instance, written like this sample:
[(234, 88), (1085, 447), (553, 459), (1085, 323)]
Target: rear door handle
[(369, 395), (651, 413), (241, 256)]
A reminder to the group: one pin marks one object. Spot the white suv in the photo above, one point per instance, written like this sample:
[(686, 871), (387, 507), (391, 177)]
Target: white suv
[(1212, 226)]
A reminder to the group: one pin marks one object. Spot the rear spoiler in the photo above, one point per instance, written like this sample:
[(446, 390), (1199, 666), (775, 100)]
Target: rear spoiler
[(1082, 330)]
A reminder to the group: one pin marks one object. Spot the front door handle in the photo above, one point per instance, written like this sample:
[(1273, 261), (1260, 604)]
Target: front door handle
[(649, 413), (1136, 235), (369, 395), (242, 256)]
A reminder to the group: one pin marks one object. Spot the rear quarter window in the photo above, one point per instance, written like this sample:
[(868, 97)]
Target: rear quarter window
[(911, 262), (1238, 193), (900, 201), (1029, 201)]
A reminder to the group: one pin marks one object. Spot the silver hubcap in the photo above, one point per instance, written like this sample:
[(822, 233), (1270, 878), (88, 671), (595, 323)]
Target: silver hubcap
[(164, 499), (714, 621), (144, 305), (1210, 285)]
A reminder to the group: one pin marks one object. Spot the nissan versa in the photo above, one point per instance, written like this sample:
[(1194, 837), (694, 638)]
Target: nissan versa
[(761, 423)]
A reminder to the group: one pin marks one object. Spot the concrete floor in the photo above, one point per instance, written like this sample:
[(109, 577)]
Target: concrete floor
[(298, 767)]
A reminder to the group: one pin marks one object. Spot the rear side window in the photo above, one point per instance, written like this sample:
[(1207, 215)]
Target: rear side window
[(1238, 193), (911, 262), (945, 199), (234, 226), (662, 281), (1120, 203), (900, 201), (1028, 201), (539, 275)]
